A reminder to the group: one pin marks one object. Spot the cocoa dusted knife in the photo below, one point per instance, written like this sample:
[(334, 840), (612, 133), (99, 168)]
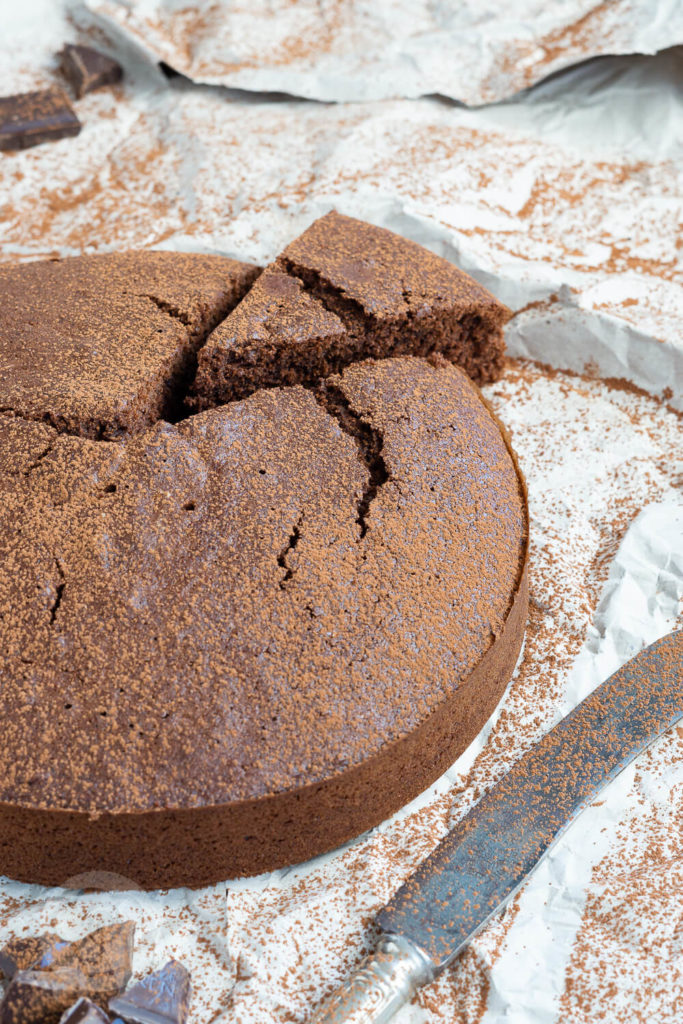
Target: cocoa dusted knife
[(484, 860)]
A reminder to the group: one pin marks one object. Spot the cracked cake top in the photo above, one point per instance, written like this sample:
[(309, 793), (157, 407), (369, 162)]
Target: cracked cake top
[(209, 610), (96, 345)]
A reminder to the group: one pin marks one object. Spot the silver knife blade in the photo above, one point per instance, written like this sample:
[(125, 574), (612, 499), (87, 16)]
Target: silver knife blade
[(485, 859)]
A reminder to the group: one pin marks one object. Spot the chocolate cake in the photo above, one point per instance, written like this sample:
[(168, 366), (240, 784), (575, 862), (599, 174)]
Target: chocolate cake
[(99, 345), (345, 290), (233, 641)]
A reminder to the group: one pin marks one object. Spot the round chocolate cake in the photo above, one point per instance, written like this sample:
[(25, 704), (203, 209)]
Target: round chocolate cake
[(235, 638)]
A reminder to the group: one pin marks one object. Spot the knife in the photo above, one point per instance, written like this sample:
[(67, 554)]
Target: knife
[(484, 860)]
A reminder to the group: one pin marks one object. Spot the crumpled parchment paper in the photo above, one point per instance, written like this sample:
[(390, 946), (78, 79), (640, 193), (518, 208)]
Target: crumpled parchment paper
[(350, 50), (567, 203)]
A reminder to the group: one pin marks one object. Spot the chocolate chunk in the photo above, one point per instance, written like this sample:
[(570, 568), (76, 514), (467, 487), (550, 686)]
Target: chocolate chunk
[(97, 966), (41, 997), (30, 118), (103, 957), (84, 1012), (86, 69), (21, 954), (160, 998)]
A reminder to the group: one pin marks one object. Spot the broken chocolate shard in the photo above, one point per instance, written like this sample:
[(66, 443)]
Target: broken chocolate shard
[(86, 69), (161, 998), (22, 954), (96, 967), (30, 118), (104, 958), (41, 997), (84, 1012)]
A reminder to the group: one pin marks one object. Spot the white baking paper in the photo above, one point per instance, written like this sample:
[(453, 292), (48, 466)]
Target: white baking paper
[(348, 50), (567, 202)]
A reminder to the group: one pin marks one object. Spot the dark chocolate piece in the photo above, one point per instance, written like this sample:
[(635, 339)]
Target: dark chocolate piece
[(85, 1012), (41, 997), (30, 118), (161, 998), (86, 69), (97, 966), (103, 957), (21, 954)]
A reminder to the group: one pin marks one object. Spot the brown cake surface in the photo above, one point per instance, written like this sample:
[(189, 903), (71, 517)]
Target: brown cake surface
[(279, 334), (233, 642), (365, 290), (97, 345)]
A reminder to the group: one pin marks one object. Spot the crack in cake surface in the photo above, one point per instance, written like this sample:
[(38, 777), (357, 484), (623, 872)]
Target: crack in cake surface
[(59, 591), (282, 558), (40, 457), (332, 298), (369, 442), (169, 308)]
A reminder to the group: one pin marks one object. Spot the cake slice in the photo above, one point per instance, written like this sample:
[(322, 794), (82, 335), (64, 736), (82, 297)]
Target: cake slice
[(379, 294), (100, 345), (277, 334)]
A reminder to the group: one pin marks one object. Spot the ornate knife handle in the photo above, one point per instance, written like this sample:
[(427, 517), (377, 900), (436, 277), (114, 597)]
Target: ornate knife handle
[(384, 982)]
